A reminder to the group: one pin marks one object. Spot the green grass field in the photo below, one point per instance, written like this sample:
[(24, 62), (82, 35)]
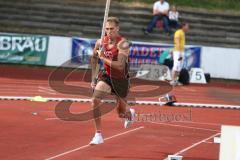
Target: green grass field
[(222, 5)]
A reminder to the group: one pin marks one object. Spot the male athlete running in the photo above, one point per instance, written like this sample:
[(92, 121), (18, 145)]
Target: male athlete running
[(115, 77)]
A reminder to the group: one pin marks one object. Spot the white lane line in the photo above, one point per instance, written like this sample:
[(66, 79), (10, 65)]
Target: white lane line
[(209, 142), (212, 124), (49, 119), (46, 88), (48, 92), (18, 90), (204, 123), (23, 84), (17, 87), (188, 89), (175, 125), (85, 146), (194, 145), (124, 133), (219, 106)]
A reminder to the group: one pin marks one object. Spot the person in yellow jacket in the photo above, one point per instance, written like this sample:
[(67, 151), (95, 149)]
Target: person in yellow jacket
[(178, 51)]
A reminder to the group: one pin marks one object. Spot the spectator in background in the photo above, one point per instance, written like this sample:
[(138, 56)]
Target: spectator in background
[(160, 12), (173, 16)]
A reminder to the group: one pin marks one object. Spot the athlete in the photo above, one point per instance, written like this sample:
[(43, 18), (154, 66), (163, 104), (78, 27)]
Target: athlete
[(113, 50)]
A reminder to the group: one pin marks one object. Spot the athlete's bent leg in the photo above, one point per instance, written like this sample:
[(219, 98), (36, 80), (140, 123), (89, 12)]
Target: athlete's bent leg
[(123, 112)]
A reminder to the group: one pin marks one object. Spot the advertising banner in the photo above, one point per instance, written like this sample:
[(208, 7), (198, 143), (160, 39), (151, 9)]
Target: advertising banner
[(23, 49)]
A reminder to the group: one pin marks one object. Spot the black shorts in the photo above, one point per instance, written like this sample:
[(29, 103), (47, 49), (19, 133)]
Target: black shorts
[(119, 87)]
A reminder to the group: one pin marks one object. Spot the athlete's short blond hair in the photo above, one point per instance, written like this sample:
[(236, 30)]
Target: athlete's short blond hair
[(114, 20)]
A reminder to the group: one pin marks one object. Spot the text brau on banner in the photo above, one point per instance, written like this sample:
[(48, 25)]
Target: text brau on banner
[(21, 43)]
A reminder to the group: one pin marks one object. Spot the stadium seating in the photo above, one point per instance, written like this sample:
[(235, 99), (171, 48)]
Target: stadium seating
[(84, 19)]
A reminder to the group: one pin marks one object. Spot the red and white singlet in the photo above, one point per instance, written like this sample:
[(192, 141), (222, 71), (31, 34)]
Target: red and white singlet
[(112, 54)]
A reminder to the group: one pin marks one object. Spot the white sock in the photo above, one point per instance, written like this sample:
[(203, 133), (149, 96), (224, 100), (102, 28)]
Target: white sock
[(98, 134)]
